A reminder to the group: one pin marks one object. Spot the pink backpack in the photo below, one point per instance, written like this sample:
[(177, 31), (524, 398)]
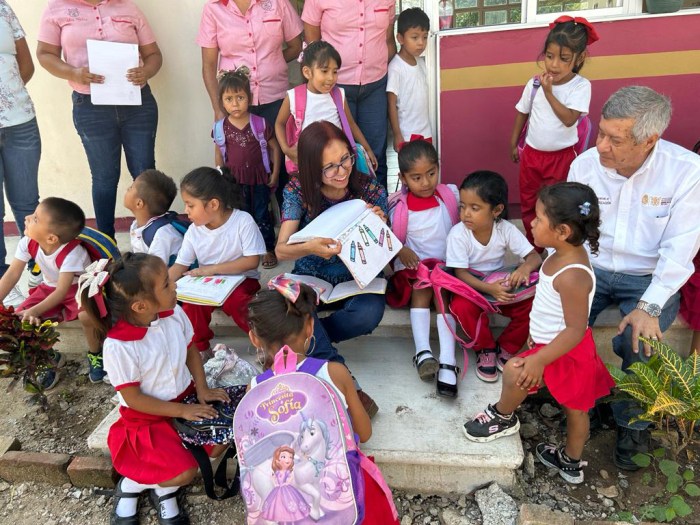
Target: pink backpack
[(432, 274), (583, 125), (290, 409), (398, 202)]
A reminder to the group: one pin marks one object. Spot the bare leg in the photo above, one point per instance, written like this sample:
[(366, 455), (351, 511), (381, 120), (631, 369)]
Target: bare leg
[(89, 329), (179, 481), (511, 394), (577, 427), (695, 342), (420, 298)]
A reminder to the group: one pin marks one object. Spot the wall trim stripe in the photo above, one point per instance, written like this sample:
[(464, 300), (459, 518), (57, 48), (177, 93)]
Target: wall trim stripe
[(599, 68)]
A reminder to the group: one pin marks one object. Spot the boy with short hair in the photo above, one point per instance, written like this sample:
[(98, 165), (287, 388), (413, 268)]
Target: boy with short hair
[(149, 198), (407, 84), (48, 232)]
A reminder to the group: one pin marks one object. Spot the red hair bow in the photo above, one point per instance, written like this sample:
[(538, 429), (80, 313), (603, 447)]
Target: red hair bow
[(414, 137), (590, 30)]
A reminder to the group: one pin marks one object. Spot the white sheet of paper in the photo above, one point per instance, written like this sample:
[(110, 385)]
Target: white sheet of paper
[(112, 60)]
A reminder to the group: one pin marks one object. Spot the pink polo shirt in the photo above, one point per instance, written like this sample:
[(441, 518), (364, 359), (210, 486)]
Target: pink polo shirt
[(70, 23), (254, 40), (357, 29)]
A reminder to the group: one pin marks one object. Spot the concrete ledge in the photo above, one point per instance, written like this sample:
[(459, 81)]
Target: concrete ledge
[(16, 466)]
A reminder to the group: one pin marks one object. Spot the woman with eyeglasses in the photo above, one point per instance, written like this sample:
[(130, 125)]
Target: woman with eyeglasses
[(327, 176)]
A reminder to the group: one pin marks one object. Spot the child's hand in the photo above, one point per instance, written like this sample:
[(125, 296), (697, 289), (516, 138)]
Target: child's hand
[(206, 394), (398, 140), (197, 272), (274, 180), (518, 277), (408, 258), (530, 373), (546, 81), (530, 343), (372, 159), (29, 316), (499, 291), (377, 210), (514, 154), (137, 76), (198, 412), (325, 247)]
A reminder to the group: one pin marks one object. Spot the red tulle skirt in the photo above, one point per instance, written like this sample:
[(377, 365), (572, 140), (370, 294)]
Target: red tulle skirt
[(579, 377)]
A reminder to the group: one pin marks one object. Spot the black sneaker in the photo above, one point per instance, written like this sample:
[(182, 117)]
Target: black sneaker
[(97, 372), (490, 425), (630, 442), (554, 458)]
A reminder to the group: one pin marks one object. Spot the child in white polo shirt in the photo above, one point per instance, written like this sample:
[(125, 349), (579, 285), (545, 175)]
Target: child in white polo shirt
[(407, 83)]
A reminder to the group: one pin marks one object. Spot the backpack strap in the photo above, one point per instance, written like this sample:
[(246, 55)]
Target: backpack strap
[(337, 97), (217, 133), (448, 197), (299, 109), (372, 470), (69, 247), (149, 232), (257, 125), (213, 479), (398, 202), (33, 248), (311, 365)]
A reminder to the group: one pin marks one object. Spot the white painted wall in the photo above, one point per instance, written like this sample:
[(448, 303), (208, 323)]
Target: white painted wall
[(182, 141)]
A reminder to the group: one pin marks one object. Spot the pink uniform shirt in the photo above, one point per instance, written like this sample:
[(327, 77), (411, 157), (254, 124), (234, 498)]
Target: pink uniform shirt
[(254, 40), (70, 23), (357, 29)]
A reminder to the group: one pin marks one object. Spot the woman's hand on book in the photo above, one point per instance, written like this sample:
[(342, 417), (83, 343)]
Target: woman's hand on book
[(324, 247), (408, 258), (377, 210)]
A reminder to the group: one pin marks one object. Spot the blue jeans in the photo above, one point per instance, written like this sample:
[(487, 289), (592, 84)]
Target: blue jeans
[(358, 315), (368, 106), (20, 150), (256, 201), (625, 291), (104, 130), (269, 112)]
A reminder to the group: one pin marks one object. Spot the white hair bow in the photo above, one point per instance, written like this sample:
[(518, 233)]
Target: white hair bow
[(94, 279)]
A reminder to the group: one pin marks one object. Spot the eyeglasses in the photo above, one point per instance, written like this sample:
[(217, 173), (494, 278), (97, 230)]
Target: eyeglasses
[(332, 170)]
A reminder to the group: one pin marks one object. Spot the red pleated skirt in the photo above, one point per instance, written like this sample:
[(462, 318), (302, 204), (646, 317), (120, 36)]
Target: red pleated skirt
[(579, 377), (146, 448)]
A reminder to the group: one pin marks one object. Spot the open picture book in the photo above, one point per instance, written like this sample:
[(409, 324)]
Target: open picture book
[(211, 291), (367, 243), (327, 293)]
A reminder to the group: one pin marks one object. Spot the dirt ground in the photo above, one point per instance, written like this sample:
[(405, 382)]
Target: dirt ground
[(76, 407)]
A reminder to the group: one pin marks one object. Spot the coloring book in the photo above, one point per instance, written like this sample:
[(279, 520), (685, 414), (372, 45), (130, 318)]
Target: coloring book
[(212, 290), (327, 293), (367, 243)]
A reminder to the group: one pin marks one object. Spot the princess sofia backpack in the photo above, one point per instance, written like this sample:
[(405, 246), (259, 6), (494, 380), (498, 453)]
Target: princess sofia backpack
[(297, 453)]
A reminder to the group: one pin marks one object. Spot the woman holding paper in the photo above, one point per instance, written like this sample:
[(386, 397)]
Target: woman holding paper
[(66, 26), (327, 176), (20, 143)]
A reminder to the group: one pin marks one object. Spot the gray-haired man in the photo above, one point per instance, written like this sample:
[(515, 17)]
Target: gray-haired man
[(648, 191)]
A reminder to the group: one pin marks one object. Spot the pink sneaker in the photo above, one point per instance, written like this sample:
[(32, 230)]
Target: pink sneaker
[(503, 358), (486, 367)]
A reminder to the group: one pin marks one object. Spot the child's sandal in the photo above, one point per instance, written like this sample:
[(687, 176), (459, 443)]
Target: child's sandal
[(180, 519), (428, 367), (123, 520)]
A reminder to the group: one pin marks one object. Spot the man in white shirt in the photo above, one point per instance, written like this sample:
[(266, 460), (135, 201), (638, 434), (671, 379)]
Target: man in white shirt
[(648, 191)]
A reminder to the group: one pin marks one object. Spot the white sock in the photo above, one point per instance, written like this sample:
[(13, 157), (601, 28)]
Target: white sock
[(420, 326), (168, 507), (447, 347), (128, 506)]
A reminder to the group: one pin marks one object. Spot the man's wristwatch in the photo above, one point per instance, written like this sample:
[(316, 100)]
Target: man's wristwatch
[(651, 309)]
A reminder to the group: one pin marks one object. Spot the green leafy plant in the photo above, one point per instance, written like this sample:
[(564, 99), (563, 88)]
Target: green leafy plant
[(668, 389), (26, 351), (669, 502)]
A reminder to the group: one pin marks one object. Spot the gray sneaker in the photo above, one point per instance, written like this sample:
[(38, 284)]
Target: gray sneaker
[(553, 457), (14, 298)]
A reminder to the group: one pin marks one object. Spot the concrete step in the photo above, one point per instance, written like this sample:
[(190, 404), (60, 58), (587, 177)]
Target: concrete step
[(417, 437)]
